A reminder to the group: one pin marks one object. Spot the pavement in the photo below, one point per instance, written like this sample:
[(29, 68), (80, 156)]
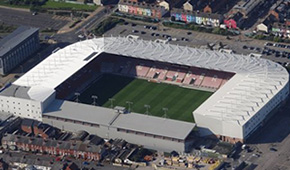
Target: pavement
[(41, 20)]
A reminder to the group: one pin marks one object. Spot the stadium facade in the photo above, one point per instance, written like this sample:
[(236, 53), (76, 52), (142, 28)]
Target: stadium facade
[(232, 113)]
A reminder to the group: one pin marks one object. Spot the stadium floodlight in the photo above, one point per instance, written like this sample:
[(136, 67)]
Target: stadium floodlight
[(112, 102), (147, 108), (129, 105), (77, 97), (95, 98), (165, 109)]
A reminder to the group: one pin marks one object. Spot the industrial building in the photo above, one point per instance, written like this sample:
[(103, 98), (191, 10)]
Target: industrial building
[(16, 47), (232, 113)]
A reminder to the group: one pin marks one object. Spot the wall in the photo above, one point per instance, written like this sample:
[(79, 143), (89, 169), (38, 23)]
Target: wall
[(192, 18), (148, 141), (21, 107), (142, 11), (112, 133), (101, 131), (19, 53), (207, 125)]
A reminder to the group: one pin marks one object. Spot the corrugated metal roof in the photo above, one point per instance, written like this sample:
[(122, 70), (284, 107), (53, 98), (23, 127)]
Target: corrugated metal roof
[(154, 125), (15, 38)]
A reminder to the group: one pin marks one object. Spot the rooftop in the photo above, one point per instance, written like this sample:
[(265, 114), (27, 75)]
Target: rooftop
[(15, 38), (109, 117), (81, 112), (16, 91), (154, 125)]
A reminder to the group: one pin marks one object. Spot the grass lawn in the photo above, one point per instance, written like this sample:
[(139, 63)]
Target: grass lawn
[(179, 101), (63, 5), (4, 3)]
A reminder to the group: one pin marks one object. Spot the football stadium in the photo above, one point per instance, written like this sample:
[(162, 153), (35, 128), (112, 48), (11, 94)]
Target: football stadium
[(149, 93)]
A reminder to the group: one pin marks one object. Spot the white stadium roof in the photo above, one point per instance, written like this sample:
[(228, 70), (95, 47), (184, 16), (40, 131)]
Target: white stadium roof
[(256, 80)]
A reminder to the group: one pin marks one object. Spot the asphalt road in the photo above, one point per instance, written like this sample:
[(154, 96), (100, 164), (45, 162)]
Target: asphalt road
[(41, 20)]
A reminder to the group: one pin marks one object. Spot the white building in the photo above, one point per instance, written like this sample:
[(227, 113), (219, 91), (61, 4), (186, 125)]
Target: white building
[(232, 113)]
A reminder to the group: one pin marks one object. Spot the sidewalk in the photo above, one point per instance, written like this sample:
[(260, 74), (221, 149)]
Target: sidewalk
[(66, 28)]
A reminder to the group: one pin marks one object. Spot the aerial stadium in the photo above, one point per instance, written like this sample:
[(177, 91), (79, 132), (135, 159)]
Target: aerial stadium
[(118, 87)]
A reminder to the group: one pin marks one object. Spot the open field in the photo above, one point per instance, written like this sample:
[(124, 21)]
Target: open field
[(179, 101)]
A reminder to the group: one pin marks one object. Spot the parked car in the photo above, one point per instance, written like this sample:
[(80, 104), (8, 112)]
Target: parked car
[(135, 31), (146, 27), (273, 150)]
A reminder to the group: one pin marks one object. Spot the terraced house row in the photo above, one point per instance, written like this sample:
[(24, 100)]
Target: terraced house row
[(142, 9), (200, 18)]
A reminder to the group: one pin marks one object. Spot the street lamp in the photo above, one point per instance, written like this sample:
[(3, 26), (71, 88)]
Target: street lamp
[(147, 108), (165, 109), (129, 105), (112, 102), (95, 98), (77, 97)]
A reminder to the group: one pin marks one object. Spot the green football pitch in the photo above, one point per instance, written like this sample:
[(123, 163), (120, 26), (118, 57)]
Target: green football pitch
[(119, 91)]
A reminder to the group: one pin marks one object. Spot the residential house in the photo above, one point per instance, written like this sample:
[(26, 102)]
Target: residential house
[(193, 5), (265, 26), (168, 4), (142, 9), (72, 166), (281, 11), (27, 125), (200, 18), (75, 149), (235, 21), (281, 30), (247, 7), (214, 6)]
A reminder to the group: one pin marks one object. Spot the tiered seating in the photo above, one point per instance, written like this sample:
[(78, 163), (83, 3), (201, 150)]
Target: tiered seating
[(175, 75), (107, 67), (213, 79), (139, 70), (122, 67)]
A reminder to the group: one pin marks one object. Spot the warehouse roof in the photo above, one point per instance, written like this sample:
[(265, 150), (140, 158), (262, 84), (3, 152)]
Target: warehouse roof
[(82, 112), (255, 83), (109, 117), (15, 38), (154, 125)]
